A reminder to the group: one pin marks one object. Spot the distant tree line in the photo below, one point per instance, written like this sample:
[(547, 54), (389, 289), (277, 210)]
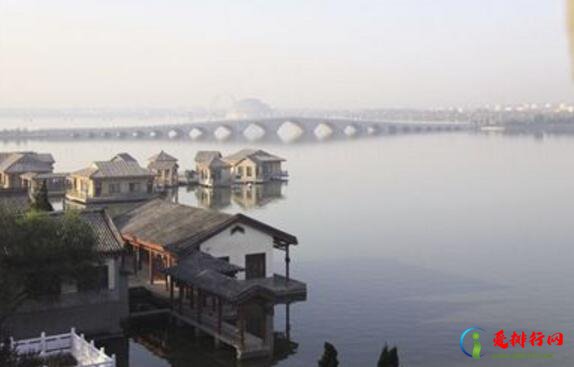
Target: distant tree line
[(387, 358)]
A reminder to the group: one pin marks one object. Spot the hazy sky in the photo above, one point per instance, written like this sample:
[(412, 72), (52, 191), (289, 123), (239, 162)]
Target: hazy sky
[(289, 53)]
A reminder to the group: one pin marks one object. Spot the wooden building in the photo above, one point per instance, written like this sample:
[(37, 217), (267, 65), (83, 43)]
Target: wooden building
[(57, 183), (221, 263), (110, 181), (211, 170), (165, 169), (255, 166), (14, 164)]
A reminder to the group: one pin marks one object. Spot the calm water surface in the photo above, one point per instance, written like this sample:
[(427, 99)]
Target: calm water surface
[(407, 241)]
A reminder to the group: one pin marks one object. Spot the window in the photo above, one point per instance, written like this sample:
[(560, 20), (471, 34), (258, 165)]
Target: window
[(240, 171), (249, 171), (115, 188), (95, 280), (224, 258), (134, 187), (98, 188)]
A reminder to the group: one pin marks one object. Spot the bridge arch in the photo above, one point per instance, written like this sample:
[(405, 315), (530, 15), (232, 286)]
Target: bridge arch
[(196, 133), (223, 133), (323, 131), (290, 131), (254, 132)]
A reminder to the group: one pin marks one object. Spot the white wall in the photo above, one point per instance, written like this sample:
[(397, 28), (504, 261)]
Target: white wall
[(237, 245)]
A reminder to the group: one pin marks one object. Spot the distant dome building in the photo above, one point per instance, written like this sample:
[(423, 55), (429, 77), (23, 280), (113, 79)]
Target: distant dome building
[(249, 108)]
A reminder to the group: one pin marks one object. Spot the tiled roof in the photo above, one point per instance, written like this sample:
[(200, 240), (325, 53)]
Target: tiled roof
[(21, 162), (126, 157), (162, 156), (181, 228), (257, 156), (108, 238), (210, 159), (110, 169), (162, 160)]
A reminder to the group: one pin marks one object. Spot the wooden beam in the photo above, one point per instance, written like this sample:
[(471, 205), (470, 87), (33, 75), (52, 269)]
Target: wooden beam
[(171, 294), (219, 314), (150, 252), (199, 304), (191, 297), (287, 262), (241, 322), (180, 297)]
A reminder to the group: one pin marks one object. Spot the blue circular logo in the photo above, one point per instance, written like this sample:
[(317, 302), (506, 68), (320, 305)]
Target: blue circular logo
[(476, 347)]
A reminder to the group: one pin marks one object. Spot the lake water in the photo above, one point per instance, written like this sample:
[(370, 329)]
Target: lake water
[(406, 240)]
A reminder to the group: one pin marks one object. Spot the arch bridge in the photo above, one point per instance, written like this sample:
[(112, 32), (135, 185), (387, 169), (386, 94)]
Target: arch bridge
[(285, 130)]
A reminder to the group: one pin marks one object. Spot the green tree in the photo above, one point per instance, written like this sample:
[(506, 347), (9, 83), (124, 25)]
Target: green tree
[(40, 200), (40, 251), (329, 358), (389, 358)]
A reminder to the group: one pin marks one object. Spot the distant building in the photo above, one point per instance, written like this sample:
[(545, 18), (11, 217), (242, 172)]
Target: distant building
[(14, 165), (123, 157), (55, 182), (212, 171), (93, 308), (255, 166), (164, 167), (110, 181)]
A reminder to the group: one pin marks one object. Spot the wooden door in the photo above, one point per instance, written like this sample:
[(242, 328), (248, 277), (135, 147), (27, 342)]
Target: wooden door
[(255, 266)]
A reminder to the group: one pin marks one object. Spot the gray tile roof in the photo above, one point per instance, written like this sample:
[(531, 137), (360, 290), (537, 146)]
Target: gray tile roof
[(199, 261), (210, 159), (258, 156), (162, 160), (21, 162), (111, 169), (108, 238), (126, 157), (180, 229), (162, 156)]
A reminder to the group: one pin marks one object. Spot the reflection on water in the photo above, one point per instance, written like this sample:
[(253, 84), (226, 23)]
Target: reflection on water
[(244, 196), (159, 341)]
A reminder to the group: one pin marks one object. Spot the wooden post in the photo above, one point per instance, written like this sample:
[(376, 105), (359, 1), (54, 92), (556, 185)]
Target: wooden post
[(151, 267), (287, 261), (191, 297), (180, 297), (264, 328), (199, 304), (241, 327), (165, 265), (136, 253), (219, 314), (171, 293)]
